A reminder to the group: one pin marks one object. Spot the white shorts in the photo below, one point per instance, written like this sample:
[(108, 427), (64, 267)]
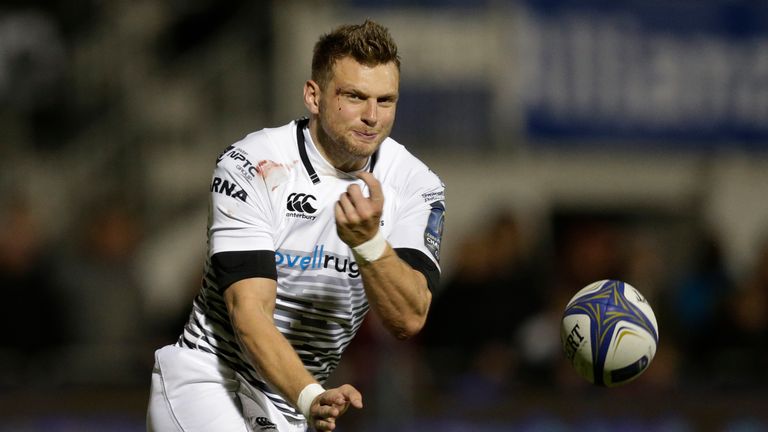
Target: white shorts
[(192, 391)]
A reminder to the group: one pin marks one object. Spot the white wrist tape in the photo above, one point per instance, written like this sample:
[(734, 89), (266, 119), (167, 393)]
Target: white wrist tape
[(307, 396), (373, 249)]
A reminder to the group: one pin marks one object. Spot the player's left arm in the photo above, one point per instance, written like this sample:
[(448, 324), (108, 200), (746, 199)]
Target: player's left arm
[(396, 291)]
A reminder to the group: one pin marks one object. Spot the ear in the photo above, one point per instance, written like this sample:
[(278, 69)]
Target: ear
[(312, 96)]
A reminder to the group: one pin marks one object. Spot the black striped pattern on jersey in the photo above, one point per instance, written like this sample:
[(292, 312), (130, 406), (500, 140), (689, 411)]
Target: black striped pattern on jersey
[(317, 313)]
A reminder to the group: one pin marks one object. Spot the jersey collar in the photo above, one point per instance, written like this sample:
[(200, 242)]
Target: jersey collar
[(311, 156)]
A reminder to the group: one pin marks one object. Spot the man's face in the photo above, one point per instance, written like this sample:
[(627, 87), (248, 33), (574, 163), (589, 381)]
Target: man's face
[(357, 108)]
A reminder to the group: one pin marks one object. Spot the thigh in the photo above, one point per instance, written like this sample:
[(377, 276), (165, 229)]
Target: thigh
[(193, 392)]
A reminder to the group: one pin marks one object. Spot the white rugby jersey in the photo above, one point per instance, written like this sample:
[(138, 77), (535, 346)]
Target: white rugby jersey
[(273, 195)]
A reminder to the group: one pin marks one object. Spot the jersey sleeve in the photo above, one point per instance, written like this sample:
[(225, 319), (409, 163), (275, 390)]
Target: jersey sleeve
[(418, 225), (240, 210)]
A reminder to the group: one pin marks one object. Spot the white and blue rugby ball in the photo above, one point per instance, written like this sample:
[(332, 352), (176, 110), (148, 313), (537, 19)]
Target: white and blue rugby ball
[(609, 333)]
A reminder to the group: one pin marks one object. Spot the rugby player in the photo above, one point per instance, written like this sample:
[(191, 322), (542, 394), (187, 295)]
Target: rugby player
[(312, 224)]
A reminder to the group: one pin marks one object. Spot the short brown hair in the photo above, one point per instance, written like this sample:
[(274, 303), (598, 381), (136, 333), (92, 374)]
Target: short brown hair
[(368, 43)]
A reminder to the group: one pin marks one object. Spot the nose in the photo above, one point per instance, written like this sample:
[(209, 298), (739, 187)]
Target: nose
[(370, 114)]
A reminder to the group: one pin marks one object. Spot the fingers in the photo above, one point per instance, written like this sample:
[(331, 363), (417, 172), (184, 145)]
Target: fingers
[(355, 194), (374, 186), (339, 397), (325, 425), (355, 203), (341, 218), (334, 403), (328, 411), (350, 210), (375, 199), (352, 395), (357, 216)]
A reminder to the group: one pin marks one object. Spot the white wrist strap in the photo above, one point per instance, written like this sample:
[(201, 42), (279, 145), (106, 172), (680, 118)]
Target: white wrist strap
[(307, 396), (373, 249)]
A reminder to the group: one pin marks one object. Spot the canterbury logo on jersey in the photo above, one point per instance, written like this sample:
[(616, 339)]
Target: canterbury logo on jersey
[(262, 423), (301, 203)]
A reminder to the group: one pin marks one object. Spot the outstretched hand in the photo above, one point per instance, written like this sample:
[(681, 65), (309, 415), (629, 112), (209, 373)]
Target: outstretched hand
[(358, 217), (331, 405)]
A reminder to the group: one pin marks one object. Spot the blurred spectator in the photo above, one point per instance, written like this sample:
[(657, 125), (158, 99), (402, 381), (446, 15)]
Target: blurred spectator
[(31, 59), (30, 315), (538, 344), (473, 320), (587, 248), (742, 342), (32, 74), (697, 305), (105, 337)]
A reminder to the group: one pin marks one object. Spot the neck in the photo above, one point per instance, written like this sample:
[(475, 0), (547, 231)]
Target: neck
[(332, 151)]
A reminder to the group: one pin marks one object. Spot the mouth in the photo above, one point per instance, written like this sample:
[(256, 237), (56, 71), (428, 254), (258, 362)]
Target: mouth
[(366, 135)]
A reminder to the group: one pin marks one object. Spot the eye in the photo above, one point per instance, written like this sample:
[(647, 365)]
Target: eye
[(354, 97), (386, 102)]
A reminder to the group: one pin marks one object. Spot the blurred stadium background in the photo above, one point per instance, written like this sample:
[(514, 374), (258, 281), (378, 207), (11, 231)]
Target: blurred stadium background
[(578, 141)]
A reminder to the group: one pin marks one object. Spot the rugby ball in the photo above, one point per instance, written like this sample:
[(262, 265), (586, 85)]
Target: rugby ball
[(609, 333)]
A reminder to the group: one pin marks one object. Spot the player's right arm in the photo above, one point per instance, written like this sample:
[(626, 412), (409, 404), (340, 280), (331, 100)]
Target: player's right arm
[(251, 303)]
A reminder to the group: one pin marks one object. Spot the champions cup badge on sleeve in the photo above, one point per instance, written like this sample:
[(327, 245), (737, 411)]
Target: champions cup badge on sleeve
[(434, 231)]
